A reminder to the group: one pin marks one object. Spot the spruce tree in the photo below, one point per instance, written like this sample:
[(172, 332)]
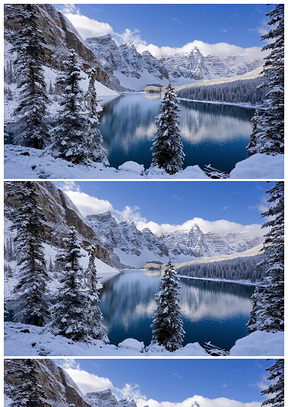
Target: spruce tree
[(93, 314), (28, 392), (28, 44), (29, 222), (95, 152), (167, 148), (167, 325), (276, 388), (69, 309), (68, 138), (270, 312), (76, 137), (268, 128)]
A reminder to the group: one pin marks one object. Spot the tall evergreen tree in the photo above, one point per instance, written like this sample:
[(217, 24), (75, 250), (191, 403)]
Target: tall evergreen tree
[(28, 43), (276, 388), (167, 148), (28, 392), (68, 138), (69, 310), (167, 325), (95, 151), (93, 314), (269, 124), (29, 223), (76, 137), (270, 312)]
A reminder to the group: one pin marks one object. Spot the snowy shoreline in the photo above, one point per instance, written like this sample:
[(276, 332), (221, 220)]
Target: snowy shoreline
[(29, 163), (215, 102), (221, 280), (37, 341)]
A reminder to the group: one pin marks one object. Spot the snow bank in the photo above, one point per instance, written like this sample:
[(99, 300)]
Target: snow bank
[(260, 166), (29, 340), (30, 163), (259, 343)]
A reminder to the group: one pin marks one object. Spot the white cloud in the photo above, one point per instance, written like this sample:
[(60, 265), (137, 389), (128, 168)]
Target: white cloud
[(89, 27), (88, 382), (220, 226), (130, 214), (220, 49), (203, 402), (88, 205)]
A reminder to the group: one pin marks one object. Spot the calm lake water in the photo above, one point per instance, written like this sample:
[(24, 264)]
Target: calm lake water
[(211, 134), (211, 311)]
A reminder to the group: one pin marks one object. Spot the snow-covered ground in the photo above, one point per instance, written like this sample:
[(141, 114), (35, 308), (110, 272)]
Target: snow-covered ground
[(260, 166), (29, 163), (29, 340)]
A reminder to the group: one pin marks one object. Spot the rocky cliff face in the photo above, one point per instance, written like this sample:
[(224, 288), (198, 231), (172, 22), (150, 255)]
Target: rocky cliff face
[(60, 36), (60, 213), (59, 389)]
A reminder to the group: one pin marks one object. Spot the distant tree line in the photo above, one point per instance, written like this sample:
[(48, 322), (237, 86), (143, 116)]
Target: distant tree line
[(242, 268), (245, 91)]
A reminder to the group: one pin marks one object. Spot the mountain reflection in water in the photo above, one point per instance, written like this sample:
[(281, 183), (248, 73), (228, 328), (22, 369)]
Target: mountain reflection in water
[(211, 311), (211, 133)]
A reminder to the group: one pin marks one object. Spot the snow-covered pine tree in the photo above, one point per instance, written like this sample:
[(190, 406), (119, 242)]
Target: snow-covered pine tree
[(95, 151), (95, 327), (252, 145), (167, 325), (28, 43), (29, 222), (271, 298), (252, 323), (28, 392), (269, 125), (276, 388), (68, 140), (76, 137), (69, 309), (167, 148)]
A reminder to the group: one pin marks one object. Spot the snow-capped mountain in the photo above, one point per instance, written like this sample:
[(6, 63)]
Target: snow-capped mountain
[(189, 67), (134, 246), (137, 70), (195, 243), (105, 398), (121, 67), (132, 69)]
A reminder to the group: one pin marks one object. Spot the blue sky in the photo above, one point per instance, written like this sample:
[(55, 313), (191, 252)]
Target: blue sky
[(178, 379), (173, 202), (173, 25)]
